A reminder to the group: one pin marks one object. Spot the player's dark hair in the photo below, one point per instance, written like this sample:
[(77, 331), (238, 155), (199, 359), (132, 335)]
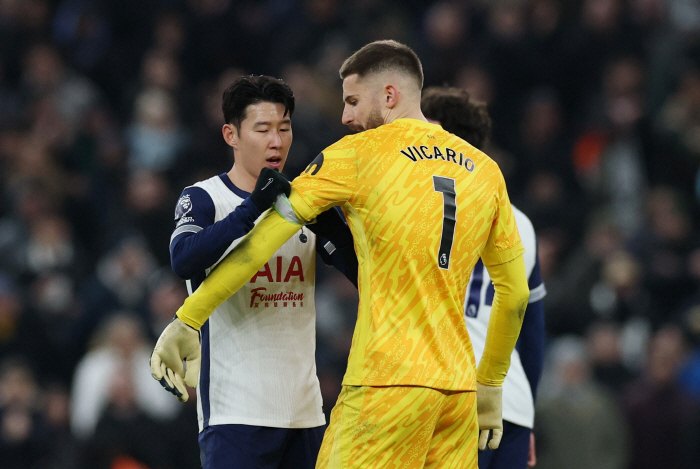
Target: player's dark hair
[(383, 56), (254, 89), (458, 114)]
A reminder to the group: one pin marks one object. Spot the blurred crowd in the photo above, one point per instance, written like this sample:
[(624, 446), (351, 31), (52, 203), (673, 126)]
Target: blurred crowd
[(108, 109)]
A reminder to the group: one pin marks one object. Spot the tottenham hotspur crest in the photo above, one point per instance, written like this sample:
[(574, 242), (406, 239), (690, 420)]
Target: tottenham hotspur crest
[(184, 205)]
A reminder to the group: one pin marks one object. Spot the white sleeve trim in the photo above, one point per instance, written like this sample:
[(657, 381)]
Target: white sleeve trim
[(185, 229), (537, 293), (284, 207)]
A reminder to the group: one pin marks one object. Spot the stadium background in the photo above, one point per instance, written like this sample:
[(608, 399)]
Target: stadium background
[(109, 108)]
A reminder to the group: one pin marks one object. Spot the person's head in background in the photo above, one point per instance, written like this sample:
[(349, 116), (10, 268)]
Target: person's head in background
[(258, 126), (382, 82), (458, 113)]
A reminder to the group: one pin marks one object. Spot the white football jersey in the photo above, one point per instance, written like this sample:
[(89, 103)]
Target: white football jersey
[(518, 404), (258, 363)]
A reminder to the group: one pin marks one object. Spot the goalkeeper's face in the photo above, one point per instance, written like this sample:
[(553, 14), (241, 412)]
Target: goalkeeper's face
[(362, 109)]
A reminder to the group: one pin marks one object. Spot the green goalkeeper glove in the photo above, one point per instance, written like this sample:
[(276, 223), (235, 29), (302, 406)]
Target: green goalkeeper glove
[(178, 342), (489, 404)]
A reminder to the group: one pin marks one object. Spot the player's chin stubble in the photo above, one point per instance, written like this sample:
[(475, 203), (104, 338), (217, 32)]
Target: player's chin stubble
[(374, 119)]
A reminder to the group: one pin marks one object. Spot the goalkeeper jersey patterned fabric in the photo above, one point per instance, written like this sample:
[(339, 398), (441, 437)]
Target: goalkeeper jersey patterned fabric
[(423, 205)]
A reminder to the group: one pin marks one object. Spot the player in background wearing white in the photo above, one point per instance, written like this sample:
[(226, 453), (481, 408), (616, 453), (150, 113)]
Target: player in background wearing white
[(258, 397), (453, 109)]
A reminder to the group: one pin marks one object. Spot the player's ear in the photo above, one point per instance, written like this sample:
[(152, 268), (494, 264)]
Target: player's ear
[(391, 96), (230, 133)]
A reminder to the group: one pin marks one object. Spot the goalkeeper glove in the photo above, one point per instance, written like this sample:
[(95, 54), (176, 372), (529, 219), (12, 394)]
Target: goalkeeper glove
[(270, 184), (178, 342), (489, 403)]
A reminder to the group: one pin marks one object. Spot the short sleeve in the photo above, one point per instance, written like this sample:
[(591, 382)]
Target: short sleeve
[(503, 244), (330, 179)]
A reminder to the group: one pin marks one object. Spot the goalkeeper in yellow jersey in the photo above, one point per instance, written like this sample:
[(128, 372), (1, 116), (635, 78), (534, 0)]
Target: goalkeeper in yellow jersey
[(423, 205)]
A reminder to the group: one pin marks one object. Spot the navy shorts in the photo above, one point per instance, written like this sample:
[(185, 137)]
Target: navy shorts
[(511, 453), (252, 447)]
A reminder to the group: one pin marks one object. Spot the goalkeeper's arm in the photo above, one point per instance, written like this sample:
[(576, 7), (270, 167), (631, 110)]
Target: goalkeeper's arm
[(509, 303), (179, 342), (507, 313), (237, 268)]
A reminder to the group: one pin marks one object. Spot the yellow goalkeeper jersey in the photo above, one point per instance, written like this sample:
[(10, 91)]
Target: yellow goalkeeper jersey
[(423, 205)]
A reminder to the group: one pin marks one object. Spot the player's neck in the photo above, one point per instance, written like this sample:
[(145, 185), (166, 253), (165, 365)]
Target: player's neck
[(408, 113), (241, 179)]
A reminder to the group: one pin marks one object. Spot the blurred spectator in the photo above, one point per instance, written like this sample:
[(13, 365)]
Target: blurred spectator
[(167, 293), (81, 29), (609, 370), (114, 380), (661, 416), (24, 440), (611, 159), (571, 281), (155, 138), (620, 294), (689, 374), (446, 36), (678, 123), (62, 445), (67, 95), (20, 332), (120, 283), (578, 424), (663, 247), (149, 210)]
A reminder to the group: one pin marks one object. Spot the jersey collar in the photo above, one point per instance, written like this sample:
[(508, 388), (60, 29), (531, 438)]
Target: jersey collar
[(239, 192)]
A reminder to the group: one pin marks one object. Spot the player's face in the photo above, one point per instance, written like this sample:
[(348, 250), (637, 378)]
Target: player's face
[(362, 104), (263, 139)]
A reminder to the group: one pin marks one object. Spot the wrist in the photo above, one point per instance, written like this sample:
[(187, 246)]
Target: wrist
[(189, 322)]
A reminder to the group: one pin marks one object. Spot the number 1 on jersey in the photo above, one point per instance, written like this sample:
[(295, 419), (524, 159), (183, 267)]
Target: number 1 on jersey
[(449, 218)]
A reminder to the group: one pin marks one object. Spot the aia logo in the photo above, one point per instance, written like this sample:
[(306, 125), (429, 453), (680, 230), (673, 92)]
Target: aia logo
[(281, 273)]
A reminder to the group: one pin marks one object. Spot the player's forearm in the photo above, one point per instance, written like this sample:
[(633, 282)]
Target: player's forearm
[(237, 268), (508, 310), (192, 253), (531, 344)]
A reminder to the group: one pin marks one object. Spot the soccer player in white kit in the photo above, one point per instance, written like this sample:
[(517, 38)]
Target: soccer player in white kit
[(453, 109), (258, 397)]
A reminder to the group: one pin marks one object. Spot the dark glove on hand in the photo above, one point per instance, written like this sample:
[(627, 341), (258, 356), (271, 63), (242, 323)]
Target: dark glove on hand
[(331, 226), (270, 184)]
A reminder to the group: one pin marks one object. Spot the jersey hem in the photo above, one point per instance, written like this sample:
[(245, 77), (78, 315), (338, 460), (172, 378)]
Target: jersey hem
[(522, 423), (441, 385), (265, 422)]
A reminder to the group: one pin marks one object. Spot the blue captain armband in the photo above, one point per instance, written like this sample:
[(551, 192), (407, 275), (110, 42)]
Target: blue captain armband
[(284, 208)]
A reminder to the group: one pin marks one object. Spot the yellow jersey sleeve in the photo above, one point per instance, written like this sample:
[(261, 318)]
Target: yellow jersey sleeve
[(329, 180), (503, 243), (507, 313), (237, 268)]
